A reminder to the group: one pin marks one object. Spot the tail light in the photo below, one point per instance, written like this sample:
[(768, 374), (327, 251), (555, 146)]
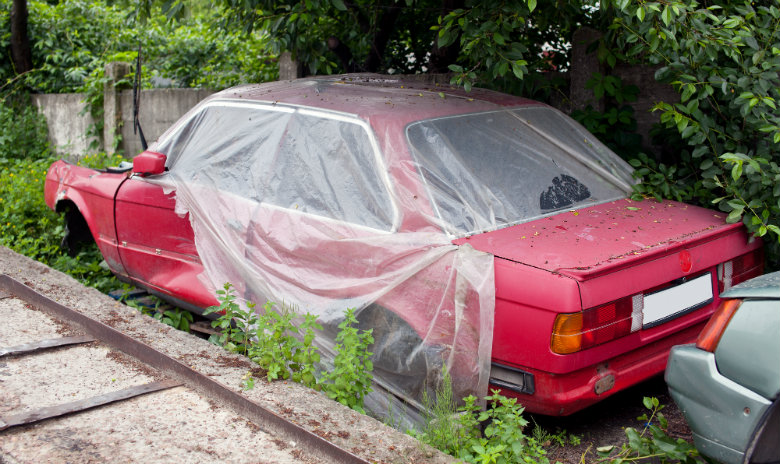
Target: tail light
[(740, 269), (578, 331), (710, 335), (592, 327)]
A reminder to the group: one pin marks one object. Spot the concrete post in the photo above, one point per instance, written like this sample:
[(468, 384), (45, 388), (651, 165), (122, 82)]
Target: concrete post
[(112, 110), (583, 65), (289, 68)]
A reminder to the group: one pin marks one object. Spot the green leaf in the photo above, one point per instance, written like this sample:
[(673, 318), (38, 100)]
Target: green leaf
[(640, 13), (736, 171), (666, 16), (734, 216), (531, 5), (339, 5)]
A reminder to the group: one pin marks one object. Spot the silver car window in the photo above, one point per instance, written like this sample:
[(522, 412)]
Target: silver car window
[(302, 162)]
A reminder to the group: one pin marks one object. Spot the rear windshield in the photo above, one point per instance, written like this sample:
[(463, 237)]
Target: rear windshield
[(488, 170)]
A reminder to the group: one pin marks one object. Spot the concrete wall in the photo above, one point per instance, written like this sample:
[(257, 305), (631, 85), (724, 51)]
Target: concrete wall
[(68, 121), (158, 110)]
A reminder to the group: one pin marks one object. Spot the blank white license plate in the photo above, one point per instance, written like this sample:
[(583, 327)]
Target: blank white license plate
[(677, 300)]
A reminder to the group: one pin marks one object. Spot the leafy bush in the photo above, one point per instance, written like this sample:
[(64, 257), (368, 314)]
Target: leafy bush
[(27, 225), (286, 350), (724, 61), (269, 339), (616, 125), (24, 134), (277, 348)]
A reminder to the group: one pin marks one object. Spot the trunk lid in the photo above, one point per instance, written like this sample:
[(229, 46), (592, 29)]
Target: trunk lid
[(604, 238)]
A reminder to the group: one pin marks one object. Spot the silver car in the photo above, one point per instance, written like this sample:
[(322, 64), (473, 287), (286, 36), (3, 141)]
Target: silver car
[(727, 384)]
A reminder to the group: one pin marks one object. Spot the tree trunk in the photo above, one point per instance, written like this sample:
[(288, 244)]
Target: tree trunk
[(21, 53), (442, 57), (382, 34)]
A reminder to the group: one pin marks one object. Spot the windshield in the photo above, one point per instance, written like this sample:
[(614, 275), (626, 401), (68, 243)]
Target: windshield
[(489, 170)]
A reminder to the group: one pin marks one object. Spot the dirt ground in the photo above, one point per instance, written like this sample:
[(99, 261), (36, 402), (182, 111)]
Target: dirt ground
[(604, 423)]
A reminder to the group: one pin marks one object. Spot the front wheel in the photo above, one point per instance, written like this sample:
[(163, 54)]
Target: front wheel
[(399, 355)]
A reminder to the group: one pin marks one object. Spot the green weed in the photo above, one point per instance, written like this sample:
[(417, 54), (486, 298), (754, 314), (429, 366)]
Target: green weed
[(652, 444), (277, 349), (458, 431), (350, 380), (234, 323), (560, 438), (286, 350)]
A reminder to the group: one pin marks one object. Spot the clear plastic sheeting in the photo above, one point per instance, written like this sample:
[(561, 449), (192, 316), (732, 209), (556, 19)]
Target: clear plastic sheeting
[(325, 211), (494, 169), (299, 208)]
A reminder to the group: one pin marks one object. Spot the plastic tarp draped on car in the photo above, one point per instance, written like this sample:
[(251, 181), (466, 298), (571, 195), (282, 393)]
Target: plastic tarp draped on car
[(323, 212), (299, 208)]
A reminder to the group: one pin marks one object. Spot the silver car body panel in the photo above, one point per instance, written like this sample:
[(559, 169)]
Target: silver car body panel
[(722, 414)]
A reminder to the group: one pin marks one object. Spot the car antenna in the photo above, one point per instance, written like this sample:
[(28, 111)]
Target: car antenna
[(137, 100)]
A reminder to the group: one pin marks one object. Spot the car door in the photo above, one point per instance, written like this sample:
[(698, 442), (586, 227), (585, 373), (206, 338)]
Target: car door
[(156, 245)]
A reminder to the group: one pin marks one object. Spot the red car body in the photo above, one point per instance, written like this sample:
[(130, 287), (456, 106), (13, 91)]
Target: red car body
[(585, 273)]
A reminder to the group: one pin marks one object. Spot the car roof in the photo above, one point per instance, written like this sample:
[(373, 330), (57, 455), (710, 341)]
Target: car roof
[(765, 286), (402, 99)]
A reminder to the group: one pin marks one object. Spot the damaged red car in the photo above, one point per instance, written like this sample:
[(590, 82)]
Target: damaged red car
[(476, 232)]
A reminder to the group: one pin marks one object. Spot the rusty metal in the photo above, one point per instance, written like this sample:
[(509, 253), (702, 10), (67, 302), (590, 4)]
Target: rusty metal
[(203, 327), (268, 420), (44, 344), (59, 410)]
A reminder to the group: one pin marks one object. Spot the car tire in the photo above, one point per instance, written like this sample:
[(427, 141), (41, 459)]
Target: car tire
[(77, 231), (399, 355)]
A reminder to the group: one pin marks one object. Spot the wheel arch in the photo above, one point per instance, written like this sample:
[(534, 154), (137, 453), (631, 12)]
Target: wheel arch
[(77, 228)]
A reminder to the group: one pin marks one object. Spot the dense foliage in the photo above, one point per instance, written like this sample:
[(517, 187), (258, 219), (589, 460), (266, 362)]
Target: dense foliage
[(494, 435), (491, 39), (724, 59), (722, 56), (27, 225), (281, 342), (74, 39)]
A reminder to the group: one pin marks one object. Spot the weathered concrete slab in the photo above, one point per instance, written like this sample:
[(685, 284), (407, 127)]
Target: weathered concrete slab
[(69, 123)]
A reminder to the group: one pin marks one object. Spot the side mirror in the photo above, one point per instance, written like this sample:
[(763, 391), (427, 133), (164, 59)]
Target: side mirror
[(149, 163)]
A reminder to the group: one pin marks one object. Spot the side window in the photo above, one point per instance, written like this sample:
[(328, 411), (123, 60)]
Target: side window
[(328, 167), (320, 165)]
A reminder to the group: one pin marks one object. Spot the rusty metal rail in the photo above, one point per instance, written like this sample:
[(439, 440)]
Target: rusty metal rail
[(243, 406)]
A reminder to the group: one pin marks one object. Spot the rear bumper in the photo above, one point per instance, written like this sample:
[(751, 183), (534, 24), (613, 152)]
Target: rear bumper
[(564, 394), (722, 414)]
